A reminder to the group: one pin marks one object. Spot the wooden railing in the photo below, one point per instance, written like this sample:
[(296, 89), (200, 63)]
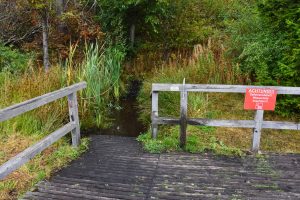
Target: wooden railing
[(73, 126), (257, 124)]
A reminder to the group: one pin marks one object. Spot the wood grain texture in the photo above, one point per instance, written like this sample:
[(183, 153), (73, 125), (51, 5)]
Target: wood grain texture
[(229, 123), (23, 157), (74, 118), (259, 117), (31, 104), (154, 114), (183, 115), (221, 88)]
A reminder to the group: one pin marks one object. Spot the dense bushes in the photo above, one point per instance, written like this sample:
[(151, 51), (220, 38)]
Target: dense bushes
[(12, 60), (263, 39), (283, 18)]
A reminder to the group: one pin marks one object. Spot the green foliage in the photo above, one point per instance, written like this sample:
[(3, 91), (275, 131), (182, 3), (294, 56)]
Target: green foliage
[(198, 141), (284, 18), (12, 60), (186, 23), (101, 70), (162, 23), (163, 144), (39, 4), (264, 40)]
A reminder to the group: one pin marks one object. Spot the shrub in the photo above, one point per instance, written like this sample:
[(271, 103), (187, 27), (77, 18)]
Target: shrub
[(12, 60), (263, 37)]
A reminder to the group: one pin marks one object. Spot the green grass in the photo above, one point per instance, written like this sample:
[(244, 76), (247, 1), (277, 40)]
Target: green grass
[(273, 186), (199, 140), (263, 166)]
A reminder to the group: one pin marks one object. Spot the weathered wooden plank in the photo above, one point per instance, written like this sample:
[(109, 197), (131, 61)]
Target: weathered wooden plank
[(207, 122), (73, 112), (166, 121), (221, 88), (229, 123), (183, 115), (281, 125), (259, 117), (30, 152), (31, 104), (154, 114), (222, 123)]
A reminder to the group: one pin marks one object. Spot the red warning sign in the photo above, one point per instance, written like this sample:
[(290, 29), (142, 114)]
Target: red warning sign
[(260, 99)]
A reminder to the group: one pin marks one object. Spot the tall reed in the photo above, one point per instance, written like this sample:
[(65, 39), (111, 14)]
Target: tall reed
[(101, 70)]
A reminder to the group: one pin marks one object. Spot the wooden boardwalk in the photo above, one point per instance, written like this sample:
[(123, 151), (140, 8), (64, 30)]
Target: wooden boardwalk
[(117, 168)]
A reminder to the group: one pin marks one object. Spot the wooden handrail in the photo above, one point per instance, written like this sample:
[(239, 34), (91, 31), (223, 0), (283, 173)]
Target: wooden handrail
[(157, 87), (34, 103), (257, 124), (73, 126)]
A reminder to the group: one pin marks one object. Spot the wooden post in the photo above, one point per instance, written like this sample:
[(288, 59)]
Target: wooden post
[(259, 116), (154, 125), (183, 114), (74, 118)]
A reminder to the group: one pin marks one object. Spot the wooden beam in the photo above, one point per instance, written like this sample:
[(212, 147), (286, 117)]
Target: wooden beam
[(31, 104), (154, 114), (166, 121), (259, 117), (73, 112), (23, 157), (183, 115), (281, 125), (221, 88), (222, 123), (229, 123)]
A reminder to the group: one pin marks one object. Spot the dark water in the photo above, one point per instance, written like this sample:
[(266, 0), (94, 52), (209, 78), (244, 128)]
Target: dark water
[(125, 118)]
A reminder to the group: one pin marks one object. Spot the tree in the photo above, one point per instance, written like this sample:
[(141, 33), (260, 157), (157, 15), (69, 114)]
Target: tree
[(17, 23), (43, 8), (160, 24), (60, 6)]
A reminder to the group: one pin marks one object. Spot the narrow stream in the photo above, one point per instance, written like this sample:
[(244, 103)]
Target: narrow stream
[(125, 120)]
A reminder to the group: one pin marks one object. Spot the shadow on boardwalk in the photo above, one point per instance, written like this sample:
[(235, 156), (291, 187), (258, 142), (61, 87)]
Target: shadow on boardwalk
[(117, 168)]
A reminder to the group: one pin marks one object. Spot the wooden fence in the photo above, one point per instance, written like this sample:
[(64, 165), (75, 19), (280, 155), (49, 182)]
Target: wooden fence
[(73, 126), (257, 124)]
